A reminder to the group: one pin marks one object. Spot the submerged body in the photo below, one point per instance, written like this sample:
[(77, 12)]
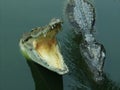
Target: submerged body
[(41, 46)]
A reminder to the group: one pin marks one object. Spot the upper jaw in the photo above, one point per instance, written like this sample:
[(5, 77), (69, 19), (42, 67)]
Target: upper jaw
[(55, 25)]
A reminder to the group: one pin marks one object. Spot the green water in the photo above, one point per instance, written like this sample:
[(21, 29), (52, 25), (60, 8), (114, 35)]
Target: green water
[(108, 30), (18, 16)]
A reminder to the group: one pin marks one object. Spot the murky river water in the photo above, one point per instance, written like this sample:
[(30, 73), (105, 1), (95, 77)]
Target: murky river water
[(18, 16)]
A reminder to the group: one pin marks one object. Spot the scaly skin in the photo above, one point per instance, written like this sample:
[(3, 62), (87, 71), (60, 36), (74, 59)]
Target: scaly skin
[(81, 15)]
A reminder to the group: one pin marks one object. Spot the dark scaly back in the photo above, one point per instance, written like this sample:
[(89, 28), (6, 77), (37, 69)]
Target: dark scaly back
[(81, 15)]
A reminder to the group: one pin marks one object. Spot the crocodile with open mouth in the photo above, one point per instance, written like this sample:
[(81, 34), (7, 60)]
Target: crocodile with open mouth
[(41, 46)]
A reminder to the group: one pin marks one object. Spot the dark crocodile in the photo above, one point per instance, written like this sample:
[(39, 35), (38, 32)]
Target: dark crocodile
[(81, 15)]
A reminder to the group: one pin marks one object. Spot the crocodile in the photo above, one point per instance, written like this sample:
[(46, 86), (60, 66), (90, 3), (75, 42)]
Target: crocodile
[(81, 15), (41, 46)]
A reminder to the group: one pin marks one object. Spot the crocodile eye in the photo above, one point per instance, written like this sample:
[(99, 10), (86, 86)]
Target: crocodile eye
[(25, 40), (32, 30)]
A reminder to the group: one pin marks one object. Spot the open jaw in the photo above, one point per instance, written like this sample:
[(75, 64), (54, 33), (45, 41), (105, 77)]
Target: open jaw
[(41, 46)]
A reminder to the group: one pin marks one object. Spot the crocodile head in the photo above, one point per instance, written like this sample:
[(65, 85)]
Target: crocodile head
[(41, 46)]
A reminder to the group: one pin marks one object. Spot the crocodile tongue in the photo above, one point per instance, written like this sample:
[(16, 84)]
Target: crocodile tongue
[(41, 46)]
